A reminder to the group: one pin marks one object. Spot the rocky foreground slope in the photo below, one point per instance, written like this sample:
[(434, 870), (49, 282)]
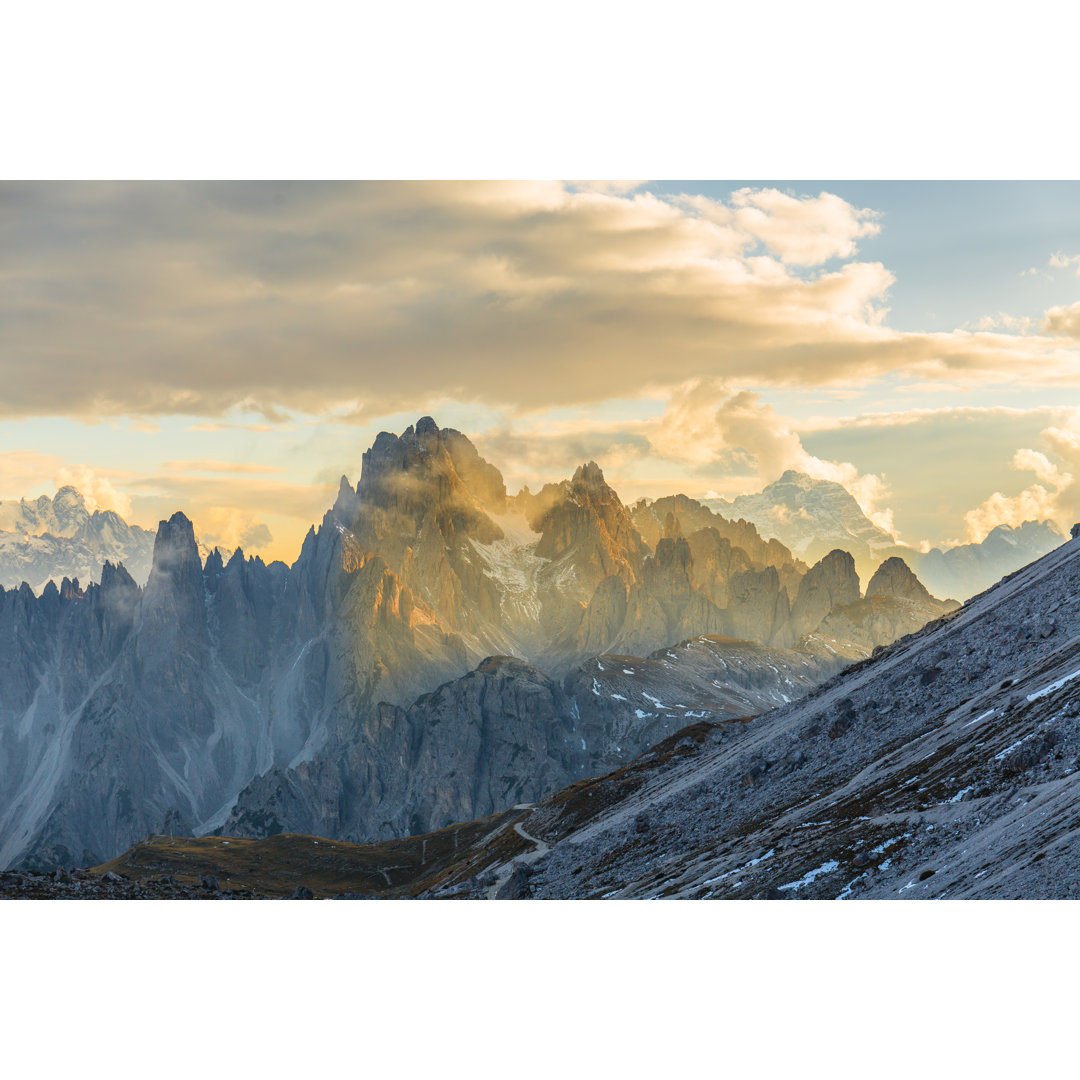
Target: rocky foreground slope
[(946, 766)]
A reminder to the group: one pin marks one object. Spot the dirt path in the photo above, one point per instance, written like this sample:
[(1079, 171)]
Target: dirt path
[(539, 850)]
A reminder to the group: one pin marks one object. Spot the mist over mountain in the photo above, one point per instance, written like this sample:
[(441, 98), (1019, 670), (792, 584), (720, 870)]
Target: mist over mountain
[(812, 517), (439, 650), (945, 766), (49, 539), (971, 568)]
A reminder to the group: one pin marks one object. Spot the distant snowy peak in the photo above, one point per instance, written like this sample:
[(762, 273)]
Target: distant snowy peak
[(47, 539), (811, 517), (63, 515)]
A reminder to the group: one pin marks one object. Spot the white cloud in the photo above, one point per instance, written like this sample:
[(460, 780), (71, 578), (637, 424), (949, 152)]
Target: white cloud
[(707, 423), (1056, 496), (1063, 321), (1019, 324), (98, 490), (803, 231), (229, 528), (911, 417), (1060, 261)]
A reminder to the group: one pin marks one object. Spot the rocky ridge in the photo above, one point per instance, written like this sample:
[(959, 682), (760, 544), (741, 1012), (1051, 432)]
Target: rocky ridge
[(947, 766), (128, 711)]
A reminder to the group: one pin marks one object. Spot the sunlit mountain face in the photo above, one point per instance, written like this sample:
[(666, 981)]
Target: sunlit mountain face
[(231, 350)]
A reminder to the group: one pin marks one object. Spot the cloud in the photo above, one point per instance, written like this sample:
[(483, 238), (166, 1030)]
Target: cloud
[(606, 187), (1063, 321), (23, 470), (1020, 324), (97, 490), (1056, 496), (708, 424), (806, 231), (229, 528), (970, 414), (156, 299), (255, 494), (1060, 261), (537, 455), (239, 467)]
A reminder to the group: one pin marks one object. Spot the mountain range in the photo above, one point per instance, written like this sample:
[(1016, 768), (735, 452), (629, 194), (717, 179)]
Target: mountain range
[(45, 539), (440, 650), (945, 766), (812, 517)]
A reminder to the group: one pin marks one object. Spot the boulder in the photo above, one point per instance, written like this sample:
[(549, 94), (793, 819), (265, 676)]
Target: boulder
[(517, 886)]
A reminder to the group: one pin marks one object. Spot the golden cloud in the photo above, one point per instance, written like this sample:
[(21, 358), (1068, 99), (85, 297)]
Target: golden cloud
[(197, 298)]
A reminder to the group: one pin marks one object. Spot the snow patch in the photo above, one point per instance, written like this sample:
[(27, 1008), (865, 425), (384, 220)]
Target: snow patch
[(746, 866), (811, 876), (1052, 687), (988, 713)]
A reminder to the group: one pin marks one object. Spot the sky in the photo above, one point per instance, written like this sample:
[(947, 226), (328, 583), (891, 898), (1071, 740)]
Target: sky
[(231, 349)]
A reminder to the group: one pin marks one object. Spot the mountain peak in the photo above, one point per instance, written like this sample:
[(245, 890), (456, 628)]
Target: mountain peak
[(793, 476), (69, 495), (174, 598), (895, 578), (427, 462), (175, 549), (590, 474), (47, 538)]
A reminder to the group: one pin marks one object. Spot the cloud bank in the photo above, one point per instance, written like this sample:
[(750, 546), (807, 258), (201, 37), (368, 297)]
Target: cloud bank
[(1055, 495), (362, 299)]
